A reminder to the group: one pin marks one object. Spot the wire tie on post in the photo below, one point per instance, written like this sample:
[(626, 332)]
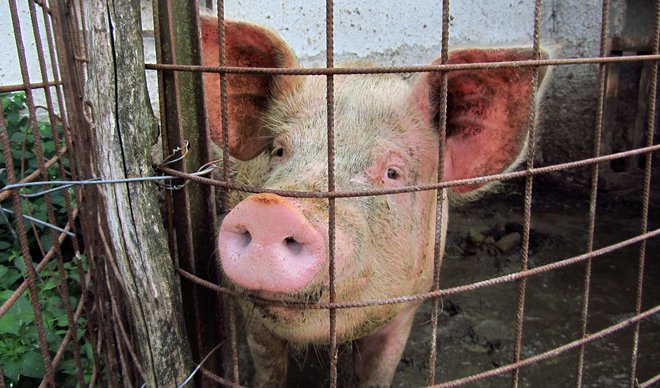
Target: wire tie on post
[(178, 154), (174, 157)]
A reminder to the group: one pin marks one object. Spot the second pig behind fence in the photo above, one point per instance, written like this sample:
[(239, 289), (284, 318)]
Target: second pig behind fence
[(386, 136)]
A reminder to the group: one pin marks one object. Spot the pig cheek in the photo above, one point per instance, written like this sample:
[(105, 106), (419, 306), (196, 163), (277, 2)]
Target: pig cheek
[(351, 230), (400, 203), (346, 248)]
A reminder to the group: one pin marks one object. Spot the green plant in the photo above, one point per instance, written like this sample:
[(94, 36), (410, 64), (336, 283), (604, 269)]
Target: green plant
[(22, 147), (20, 357), (19, 350)]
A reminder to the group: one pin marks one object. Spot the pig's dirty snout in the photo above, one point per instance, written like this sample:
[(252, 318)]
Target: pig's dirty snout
[(267, 244)]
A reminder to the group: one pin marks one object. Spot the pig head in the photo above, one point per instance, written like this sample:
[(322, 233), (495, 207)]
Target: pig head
[(385, 137)]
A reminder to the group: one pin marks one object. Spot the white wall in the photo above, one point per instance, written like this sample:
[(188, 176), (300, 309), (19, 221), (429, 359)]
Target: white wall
[(392, 31), (10, 71)]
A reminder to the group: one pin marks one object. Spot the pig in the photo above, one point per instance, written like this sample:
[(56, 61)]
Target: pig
[(386, 136)]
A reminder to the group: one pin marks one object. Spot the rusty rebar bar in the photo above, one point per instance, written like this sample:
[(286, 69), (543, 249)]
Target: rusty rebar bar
[(554, 265), (332, 313), (646, 190), (229, 305), (593, 195), (49, 374), (400, 69), (408, 189), (63, 287), (440, 199)]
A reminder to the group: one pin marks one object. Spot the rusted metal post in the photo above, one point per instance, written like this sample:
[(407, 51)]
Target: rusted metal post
[(183, 118), (124, 132)]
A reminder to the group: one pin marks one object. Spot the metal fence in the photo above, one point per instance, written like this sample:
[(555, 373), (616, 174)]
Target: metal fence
[(43, 247), (96, 332)]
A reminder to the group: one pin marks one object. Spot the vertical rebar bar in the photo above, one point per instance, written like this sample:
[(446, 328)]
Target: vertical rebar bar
[(63, 287), (29, 266), (77, 131), (593, 195), (440, 202), (329, 39), (531, 146), (229, 301), (653, 92)]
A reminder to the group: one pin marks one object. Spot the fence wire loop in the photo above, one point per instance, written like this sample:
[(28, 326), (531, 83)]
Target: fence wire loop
[(178, 154)]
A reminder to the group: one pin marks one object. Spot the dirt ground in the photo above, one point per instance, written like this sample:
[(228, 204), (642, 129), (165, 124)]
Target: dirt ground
[(476, 329)]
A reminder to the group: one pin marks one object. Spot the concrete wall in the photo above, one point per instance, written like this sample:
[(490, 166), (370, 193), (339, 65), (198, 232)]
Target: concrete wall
[(10, 71), (392, 32)]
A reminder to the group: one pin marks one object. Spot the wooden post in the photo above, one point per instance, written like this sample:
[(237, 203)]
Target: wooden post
[(124, 132)]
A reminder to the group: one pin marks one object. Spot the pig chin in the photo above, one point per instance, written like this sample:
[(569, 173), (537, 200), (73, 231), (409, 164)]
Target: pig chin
[(311, 326), (300, 325)]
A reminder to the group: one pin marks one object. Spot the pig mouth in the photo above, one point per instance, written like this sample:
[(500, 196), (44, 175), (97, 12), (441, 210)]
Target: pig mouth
[(311, 296), (278, 306)]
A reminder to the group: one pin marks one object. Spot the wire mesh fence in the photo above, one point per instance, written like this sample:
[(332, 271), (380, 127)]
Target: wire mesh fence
[(47, 330), (66, 317)]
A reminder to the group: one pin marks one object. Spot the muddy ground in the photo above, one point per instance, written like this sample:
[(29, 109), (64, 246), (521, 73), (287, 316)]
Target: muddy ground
[(476, 329)]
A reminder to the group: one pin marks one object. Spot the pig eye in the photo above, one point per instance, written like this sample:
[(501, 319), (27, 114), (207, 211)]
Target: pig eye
[(393, 173)]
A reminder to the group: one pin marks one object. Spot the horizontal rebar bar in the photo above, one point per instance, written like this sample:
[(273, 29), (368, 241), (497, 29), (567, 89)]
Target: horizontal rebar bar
[(432, 294), (399, 69)]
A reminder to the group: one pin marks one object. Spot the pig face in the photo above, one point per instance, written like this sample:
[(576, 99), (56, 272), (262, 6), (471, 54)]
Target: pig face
[(382, 247), (385, 137)]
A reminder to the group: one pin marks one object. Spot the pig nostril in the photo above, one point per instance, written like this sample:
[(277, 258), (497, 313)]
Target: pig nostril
[(294, 246), (244, 238)]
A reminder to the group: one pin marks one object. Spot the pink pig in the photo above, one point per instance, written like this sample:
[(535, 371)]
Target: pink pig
[(385, 137)]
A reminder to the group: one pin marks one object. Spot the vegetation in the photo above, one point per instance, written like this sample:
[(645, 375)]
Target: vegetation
[(20, 357)]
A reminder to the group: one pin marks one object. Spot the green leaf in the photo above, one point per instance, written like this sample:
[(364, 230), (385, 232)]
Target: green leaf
[(18, 315), (17, 138), (48, 148), (12, 117), (32, 365), (46, 241), (12, 369), (18, 261), (8, 276), (48, 285), (4, 101), (68, 366), (9, 327)]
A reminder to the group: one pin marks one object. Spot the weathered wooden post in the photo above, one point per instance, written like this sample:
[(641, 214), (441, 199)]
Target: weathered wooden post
[(124, 132)]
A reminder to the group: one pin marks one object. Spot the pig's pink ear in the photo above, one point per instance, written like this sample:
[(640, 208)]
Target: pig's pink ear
[(246, 45), (487, 112)]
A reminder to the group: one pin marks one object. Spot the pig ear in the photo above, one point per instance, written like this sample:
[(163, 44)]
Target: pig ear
[(487, 112), (246, 45)]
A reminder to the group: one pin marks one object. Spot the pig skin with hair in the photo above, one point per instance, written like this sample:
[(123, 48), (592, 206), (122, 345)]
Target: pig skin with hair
[(385, 137)]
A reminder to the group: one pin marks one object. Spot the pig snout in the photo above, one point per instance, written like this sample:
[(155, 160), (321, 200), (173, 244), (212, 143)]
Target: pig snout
[(266, 244)]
